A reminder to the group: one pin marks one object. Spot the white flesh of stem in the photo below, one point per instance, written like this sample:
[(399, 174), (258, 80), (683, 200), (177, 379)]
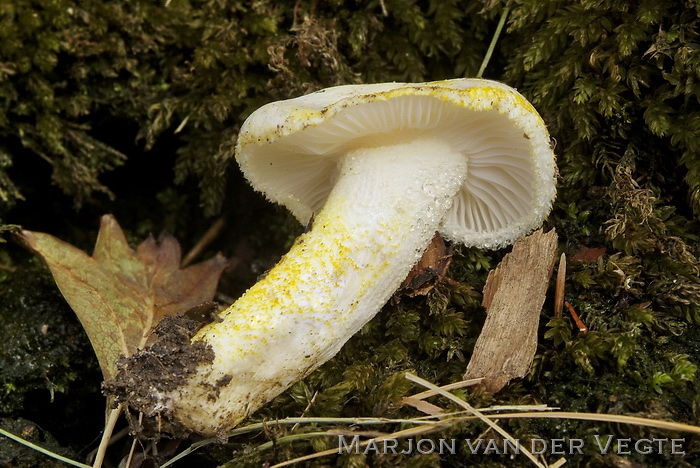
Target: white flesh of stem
[(386, 205)]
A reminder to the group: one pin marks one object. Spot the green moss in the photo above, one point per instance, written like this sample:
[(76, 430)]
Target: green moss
[(49, 377), (44, 348), (15, 455), (616, 82), (195, 69)]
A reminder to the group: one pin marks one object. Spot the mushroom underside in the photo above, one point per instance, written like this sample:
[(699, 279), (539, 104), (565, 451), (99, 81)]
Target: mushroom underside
[(504, 177)]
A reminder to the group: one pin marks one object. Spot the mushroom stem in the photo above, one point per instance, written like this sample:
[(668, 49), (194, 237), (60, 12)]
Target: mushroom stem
[(385, 207)]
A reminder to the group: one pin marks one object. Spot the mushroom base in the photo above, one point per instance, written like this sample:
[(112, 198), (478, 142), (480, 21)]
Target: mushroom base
[(379, 218)]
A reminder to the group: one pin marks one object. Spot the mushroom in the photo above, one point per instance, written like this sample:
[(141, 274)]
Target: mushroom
[(379, 168)]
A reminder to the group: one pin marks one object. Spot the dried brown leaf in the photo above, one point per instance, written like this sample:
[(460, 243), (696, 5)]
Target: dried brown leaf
[(589, 255), (430, 269), (120, 294)]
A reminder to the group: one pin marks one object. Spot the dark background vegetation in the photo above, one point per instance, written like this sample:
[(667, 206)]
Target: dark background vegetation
[(132, 108)]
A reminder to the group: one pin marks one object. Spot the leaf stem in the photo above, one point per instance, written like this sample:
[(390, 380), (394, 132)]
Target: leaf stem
[(107, 435)]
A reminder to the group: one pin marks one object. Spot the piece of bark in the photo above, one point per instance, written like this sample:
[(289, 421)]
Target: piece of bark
[(513, 296)]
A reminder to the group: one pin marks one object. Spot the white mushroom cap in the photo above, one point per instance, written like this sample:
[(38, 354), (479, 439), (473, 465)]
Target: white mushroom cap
[(289, 150)]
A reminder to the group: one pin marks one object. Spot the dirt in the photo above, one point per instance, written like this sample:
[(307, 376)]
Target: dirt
[(162, 367)]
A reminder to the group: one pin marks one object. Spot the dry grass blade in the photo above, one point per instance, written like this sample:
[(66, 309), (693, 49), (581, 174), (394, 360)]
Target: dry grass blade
[(429, 424), (558, 463), (423, 406), (40, 449), (304, 420), (410, 432), (430, 409), (448, 387), (613, 418), (475, 412), (306, 410), (494, 40)]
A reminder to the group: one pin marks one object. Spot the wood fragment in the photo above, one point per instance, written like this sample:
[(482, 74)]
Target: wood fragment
[(560, 287), (210, 236), (513, 296)]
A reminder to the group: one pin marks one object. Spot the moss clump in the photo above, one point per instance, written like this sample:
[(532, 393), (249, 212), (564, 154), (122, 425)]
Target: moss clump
[(73, 72), (47, 368), (15, 455)]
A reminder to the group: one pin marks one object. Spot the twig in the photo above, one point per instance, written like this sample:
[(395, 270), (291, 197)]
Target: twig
[(494, 40), (208, 237)]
